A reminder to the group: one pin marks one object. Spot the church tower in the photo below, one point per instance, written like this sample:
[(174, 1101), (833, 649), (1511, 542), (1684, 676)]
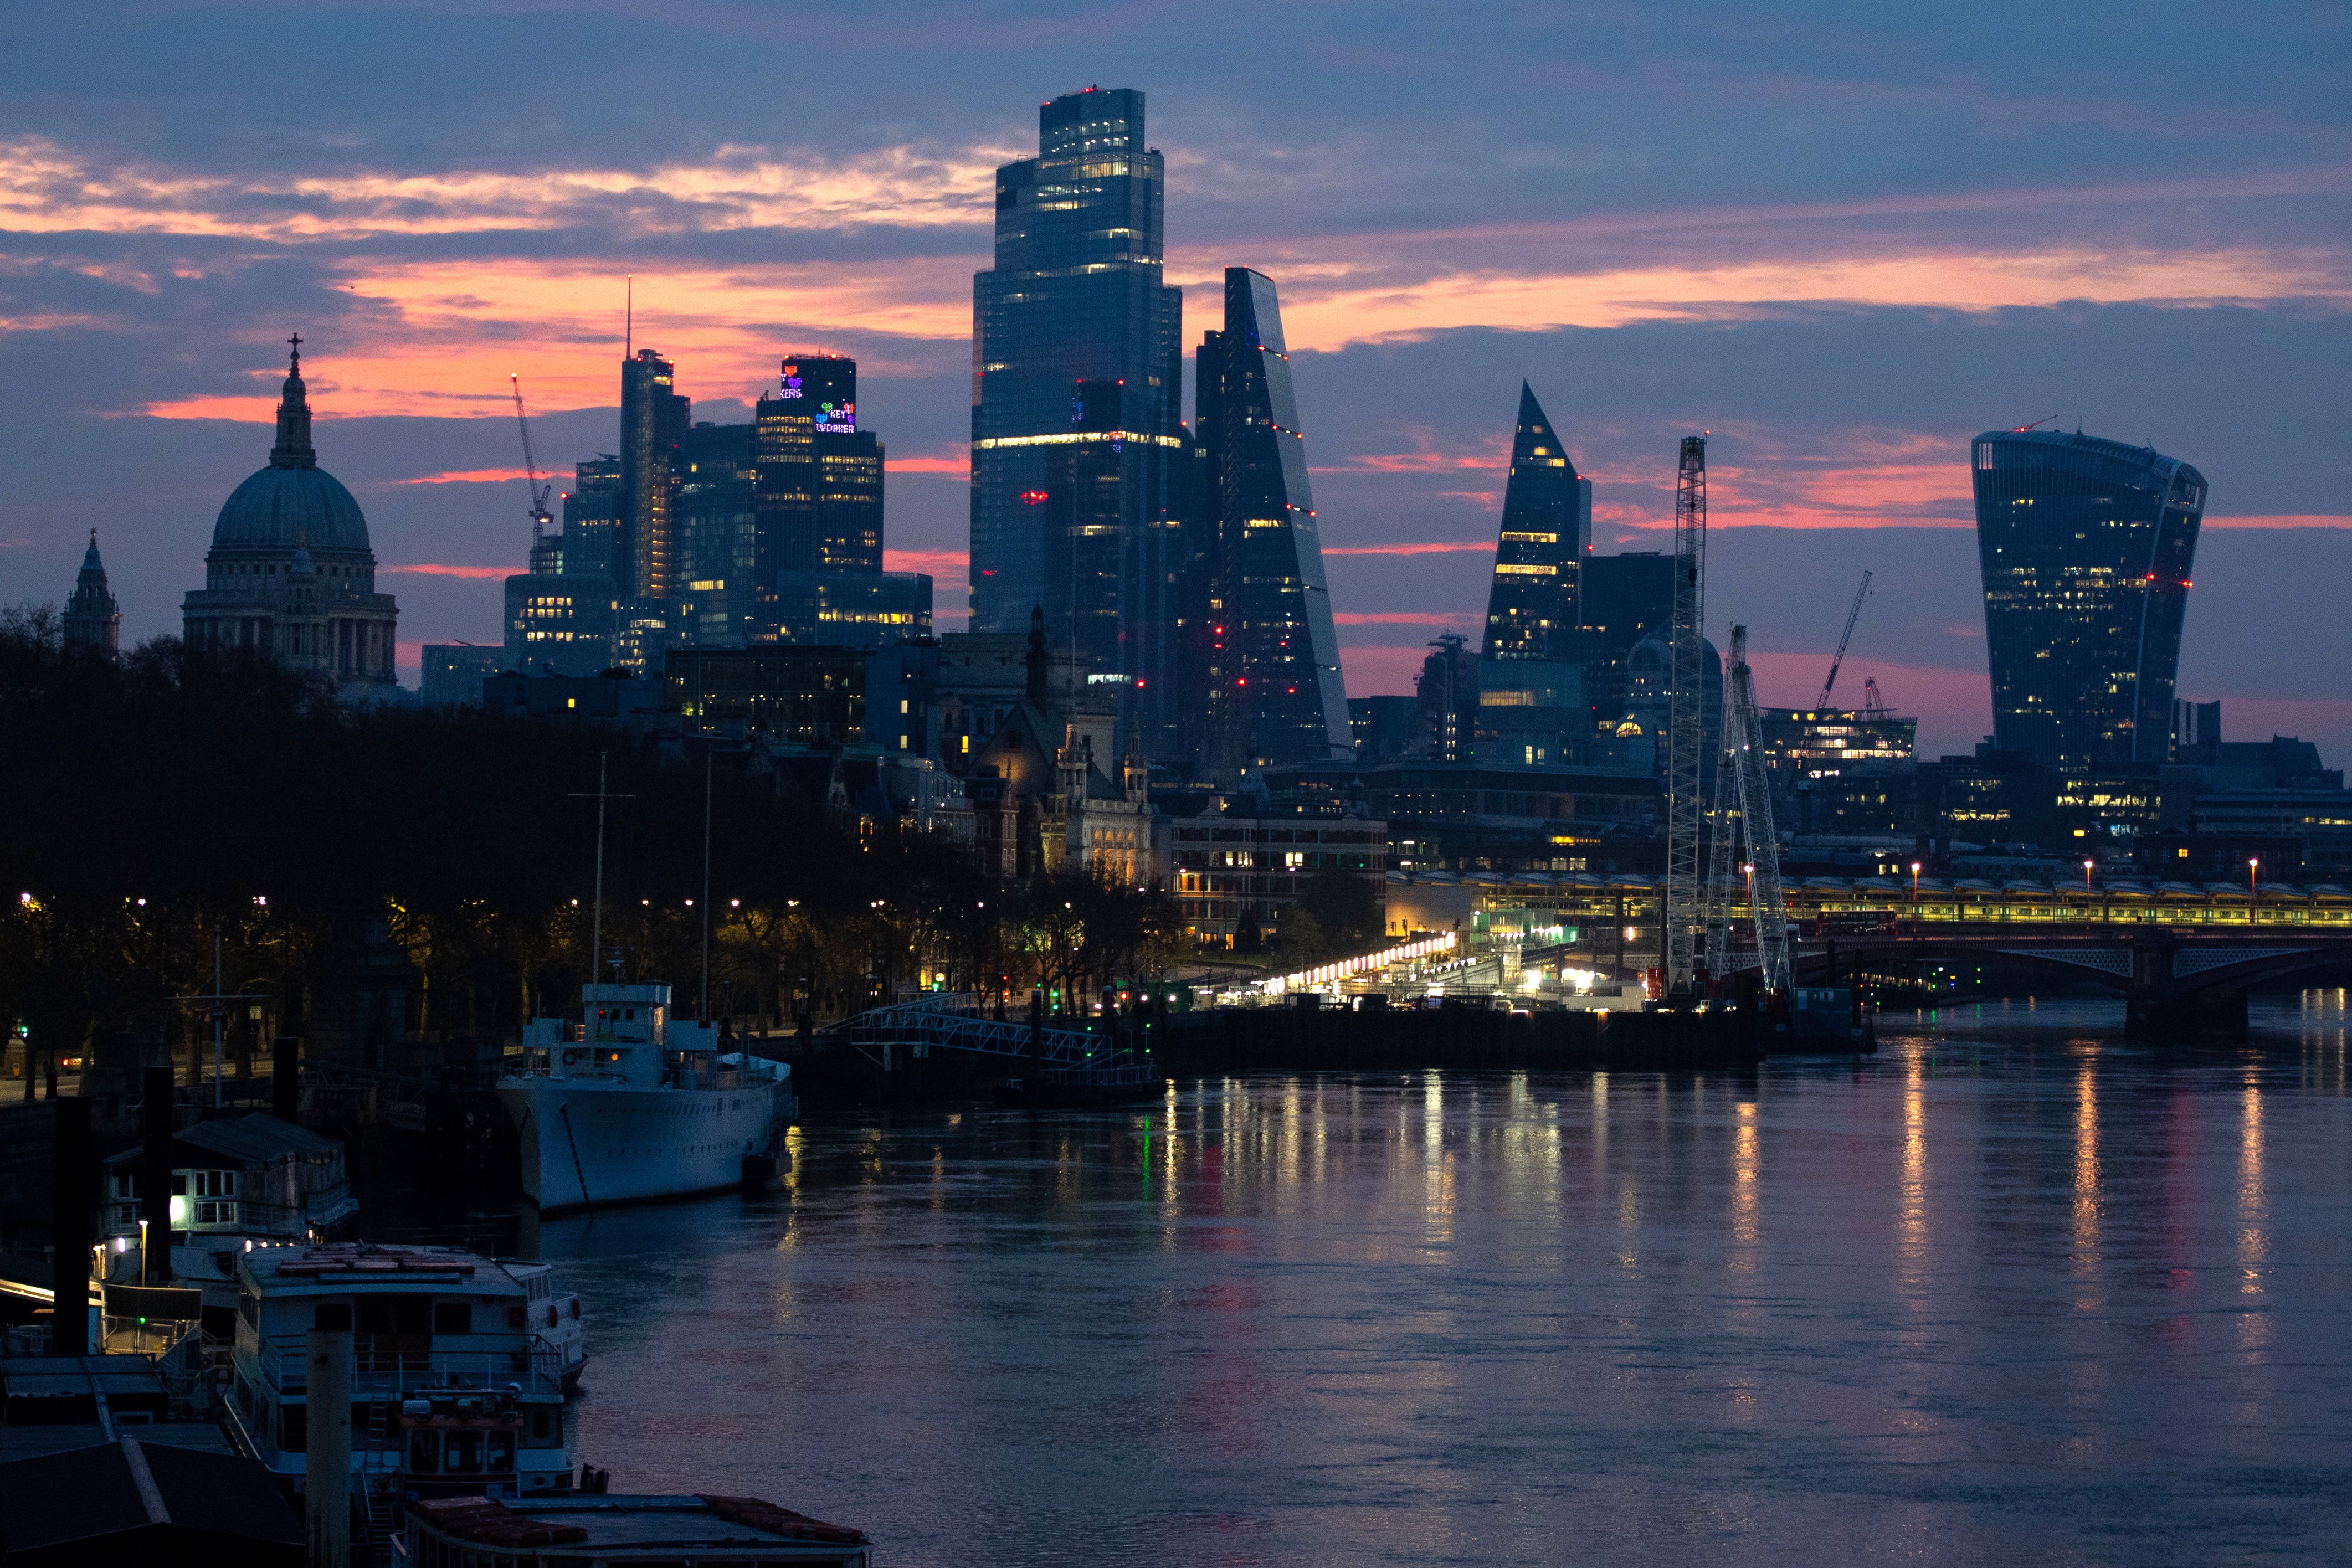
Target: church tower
[(93, 620)]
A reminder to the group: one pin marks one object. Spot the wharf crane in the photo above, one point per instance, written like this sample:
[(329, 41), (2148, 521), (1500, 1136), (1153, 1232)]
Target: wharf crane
[(540, 516), (1851, 615)]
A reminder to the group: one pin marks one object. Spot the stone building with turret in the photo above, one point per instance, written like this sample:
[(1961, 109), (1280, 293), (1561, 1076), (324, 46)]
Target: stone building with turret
[(291, 574)]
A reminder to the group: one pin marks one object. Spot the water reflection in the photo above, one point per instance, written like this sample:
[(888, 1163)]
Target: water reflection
[(1413, 1318)]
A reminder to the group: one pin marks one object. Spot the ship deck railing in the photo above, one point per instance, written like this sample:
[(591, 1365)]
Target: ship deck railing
[(381, 1370), (958, 1020)]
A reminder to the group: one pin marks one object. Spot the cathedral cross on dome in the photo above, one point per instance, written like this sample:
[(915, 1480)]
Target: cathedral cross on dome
[(297, 340)]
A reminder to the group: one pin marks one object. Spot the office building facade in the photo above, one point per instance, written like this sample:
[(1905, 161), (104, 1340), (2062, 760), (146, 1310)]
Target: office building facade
[(714, 504), (1076, 430), (2086, 547), (1275, 692)]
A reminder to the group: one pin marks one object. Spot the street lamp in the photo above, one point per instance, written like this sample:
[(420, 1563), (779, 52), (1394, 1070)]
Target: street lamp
[(1915, 882), (2252, 891), (2086, 876)]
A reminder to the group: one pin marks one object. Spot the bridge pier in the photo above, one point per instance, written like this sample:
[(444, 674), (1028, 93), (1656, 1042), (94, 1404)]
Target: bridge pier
[(2173, 1012)]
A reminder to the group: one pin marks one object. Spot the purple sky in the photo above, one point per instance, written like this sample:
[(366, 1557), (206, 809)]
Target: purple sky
[(1841, 239)]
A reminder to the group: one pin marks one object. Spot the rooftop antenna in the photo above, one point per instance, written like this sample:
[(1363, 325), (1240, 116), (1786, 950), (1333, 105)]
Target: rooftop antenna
[(2043, 420), (629, 318)]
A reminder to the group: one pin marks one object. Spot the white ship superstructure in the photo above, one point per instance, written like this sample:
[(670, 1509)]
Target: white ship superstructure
[(629, 1105)]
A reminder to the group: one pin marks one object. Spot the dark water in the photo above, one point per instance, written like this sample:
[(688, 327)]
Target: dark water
[(2013, 1291)]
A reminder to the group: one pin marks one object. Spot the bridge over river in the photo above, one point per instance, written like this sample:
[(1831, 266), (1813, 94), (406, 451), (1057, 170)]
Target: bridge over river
[(2182, 954)]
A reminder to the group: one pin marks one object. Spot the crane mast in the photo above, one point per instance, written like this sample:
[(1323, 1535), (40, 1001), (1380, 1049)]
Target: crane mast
[(1767, 907), (1844, 637), (540, 517), (1685, 909)]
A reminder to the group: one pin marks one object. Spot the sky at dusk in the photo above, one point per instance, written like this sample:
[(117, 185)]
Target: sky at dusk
[(1843, 238)]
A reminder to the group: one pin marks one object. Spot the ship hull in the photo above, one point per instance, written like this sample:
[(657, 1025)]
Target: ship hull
[(591, 1146)]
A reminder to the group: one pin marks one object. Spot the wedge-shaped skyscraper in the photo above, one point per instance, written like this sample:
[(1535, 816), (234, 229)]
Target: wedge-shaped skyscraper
[(2085, 547), (1533, 707), (1274, 690)]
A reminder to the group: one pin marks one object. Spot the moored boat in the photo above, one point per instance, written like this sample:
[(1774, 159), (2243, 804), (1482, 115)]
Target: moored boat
[(629, 1105)]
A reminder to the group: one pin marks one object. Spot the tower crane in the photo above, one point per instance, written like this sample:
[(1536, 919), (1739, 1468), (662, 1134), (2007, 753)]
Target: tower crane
[(1852, 616), (1766, 905), (540, 516)]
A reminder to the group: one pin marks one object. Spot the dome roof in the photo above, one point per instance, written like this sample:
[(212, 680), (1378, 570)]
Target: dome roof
[(293, 501), (277, 507)]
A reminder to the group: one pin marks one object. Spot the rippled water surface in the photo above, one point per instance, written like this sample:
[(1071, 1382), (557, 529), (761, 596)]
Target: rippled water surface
[(2012, 1290)]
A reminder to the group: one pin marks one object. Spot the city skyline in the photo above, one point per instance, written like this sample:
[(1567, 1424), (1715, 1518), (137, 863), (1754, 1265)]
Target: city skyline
[(1843, 324)]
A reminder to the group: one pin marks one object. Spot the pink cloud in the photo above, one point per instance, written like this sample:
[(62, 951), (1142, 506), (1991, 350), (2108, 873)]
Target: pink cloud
[(1398, 618), (430, 568), (469, 476), (1423, 548), (2282, 520), (938, 563), (958, 465)]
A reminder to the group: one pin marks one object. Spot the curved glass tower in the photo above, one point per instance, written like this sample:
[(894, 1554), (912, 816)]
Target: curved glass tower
[(2085, 547), (1532, 703)]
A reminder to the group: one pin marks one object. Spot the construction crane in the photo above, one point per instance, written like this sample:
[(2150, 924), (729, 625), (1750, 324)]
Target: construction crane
[(540, 516), (1767, 907), (1684, 904), (1852, 616), (1873, 705)]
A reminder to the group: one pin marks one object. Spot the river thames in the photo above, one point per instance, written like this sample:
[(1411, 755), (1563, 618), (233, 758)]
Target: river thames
[(2014, 1290)]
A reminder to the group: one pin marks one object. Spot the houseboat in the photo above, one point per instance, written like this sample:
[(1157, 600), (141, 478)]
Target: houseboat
[(629, 1105), (237, 1183), (454, 1393)]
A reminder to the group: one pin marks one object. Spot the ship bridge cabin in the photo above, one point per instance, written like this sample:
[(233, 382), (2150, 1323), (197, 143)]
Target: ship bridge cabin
[(626, 1035), (454, 1388)]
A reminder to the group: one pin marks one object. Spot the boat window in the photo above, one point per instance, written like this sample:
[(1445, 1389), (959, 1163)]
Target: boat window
[(539, 1423), (464, 1455), (293, 1431), (425, 1451), (453, 1317), (502, 1450)]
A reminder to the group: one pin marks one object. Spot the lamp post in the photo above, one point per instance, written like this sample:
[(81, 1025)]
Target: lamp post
[(2253, 891), (2086, 876), (1915, 882)]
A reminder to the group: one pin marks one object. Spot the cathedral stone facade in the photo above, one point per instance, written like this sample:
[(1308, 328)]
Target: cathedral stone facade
[(290, 573)]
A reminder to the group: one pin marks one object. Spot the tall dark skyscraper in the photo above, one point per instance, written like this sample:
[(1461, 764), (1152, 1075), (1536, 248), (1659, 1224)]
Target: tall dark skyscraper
[(1077, 403), (1532, 702), (2086, 547), (654, 418), (1274, 693)]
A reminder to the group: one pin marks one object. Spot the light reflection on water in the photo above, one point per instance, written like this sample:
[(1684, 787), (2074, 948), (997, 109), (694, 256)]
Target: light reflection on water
[(2016, 1288)]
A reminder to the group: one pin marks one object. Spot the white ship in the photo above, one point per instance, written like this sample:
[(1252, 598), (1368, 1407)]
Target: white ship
[(629, 1105)]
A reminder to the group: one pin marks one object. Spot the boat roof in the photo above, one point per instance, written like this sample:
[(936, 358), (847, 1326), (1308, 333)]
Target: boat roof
[(348, 1266), (688, 1523), (249, 1140)]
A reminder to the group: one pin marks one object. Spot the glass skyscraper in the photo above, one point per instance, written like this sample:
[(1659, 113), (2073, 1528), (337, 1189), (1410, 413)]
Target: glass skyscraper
[(1274, 693), (1076, 420), (2086, 547), (1532, 702), (654, 418)]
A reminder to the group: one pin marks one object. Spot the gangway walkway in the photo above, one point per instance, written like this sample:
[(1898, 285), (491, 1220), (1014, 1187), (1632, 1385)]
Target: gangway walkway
[(952, 1020)]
